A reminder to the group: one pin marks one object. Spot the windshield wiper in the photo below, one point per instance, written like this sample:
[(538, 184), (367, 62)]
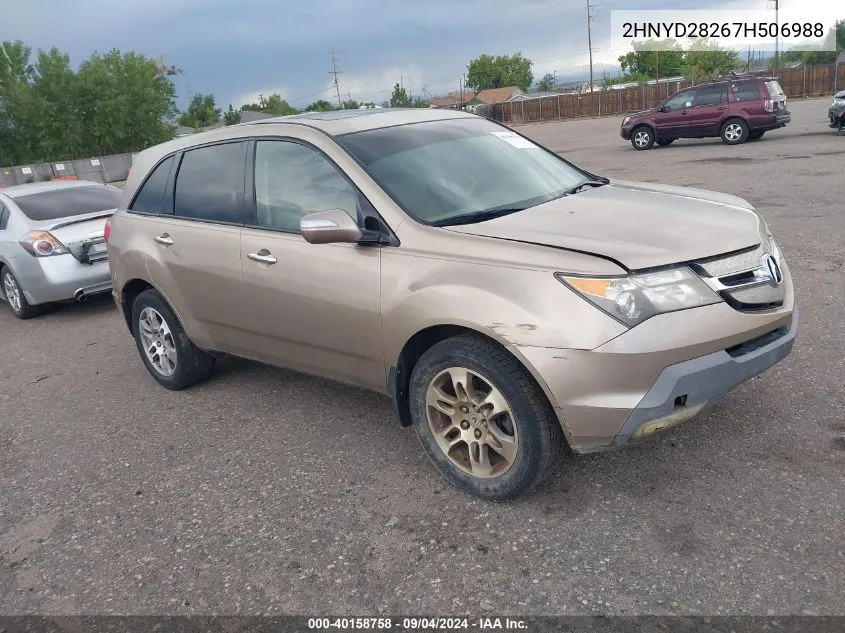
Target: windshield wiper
[(478, 216), (598, 182)]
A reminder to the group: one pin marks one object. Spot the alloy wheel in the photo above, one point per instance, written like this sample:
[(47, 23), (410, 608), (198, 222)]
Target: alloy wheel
[(733, 132), (157, 341), (641, 138), (472, 422), (12, 291)]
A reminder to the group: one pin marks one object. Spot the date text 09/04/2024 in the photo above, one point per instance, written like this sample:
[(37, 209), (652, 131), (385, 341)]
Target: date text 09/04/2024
[(412, 623)]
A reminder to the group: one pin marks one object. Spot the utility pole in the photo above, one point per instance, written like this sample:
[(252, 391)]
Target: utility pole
[(775, 4), (590, 39), (336, 72)]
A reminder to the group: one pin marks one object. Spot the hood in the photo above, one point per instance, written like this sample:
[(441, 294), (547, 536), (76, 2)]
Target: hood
[(639, 225), (641, 113)]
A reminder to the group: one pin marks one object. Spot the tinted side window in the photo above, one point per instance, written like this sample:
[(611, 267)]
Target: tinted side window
[(681, 100), (292, 180), (4, 217), (745, 91), (710, 95), (209, 184), (150, 198)]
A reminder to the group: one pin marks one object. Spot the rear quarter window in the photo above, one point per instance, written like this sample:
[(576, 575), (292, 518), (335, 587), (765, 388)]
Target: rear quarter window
[(774, 88), (65, 203), (745, 91), (150, 198)]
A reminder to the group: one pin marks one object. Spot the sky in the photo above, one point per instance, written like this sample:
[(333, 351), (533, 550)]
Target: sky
[(238, 49)]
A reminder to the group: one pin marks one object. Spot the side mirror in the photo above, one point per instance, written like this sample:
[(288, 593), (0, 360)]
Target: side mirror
[(664, 108), (330, 227)]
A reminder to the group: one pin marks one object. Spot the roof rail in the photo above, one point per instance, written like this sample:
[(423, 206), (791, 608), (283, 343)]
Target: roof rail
[(743, 75)]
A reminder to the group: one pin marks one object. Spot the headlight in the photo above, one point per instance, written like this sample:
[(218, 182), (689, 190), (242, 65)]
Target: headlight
[(625, 120), (838, 102), (635, 298)]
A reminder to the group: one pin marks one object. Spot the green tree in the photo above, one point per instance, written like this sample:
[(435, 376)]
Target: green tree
[(231, 116), (486, 72), (650, 64), (201, 112), (419, 102), (274, 104), (351, 104), (707, 59), (546, 83), (114, 103), (125, 103), (321, 105), (400, 98), (835, 39)]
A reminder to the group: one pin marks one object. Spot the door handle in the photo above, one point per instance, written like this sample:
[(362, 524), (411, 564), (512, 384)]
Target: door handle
[(721, 108), (263, 256), (165, 239)]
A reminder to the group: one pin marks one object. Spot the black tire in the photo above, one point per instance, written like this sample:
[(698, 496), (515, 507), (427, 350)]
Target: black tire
[(540, 439), (26, 309), (193, 366), (734, 131), (664, 142), (754, 135), (642, 138)]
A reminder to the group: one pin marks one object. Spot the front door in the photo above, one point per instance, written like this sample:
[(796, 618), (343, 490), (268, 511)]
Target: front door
[(709, 111), (311, 307), (674, 121), (193, 247)]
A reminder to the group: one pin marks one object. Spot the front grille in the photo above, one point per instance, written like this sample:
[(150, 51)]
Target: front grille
[(742, 280), (762, 297), (724, 265), (756, 343)]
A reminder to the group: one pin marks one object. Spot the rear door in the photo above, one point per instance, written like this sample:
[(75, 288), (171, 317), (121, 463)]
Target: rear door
[(192, 240), (710, 108), (674, 122)]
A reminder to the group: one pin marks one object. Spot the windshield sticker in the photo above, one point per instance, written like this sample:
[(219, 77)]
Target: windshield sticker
[(515, 139)]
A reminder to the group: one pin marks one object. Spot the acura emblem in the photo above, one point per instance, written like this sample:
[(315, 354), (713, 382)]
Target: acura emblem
[(770, 265)]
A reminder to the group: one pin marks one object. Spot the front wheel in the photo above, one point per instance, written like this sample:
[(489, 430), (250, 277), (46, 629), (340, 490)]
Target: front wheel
[(482, 420), (169, 355), (734, 132), (642, 138)]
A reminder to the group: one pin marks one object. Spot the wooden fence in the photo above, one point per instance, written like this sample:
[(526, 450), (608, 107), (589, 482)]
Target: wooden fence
[(807, 81)]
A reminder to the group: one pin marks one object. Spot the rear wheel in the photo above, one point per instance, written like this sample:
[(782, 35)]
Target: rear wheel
[(642, 138), (734, 132), (663, 142), (13, 293), (753, 135), (170, 356), (482, 420)]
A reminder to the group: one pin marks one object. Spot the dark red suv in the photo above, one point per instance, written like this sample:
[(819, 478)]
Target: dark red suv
[(736, 109)]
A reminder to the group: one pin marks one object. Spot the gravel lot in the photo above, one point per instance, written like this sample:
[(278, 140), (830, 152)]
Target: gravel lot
[(264, 491)]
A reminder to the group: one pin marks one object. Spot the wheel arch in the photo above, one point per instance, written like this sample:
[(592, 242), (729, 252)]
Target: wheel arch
[(128, 294), (399, 374)]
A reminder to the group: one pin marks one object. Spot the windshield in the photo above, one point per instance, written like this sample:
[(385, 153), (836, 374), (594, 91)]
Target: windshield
[(445, 169), (774, 88), (67, 202)]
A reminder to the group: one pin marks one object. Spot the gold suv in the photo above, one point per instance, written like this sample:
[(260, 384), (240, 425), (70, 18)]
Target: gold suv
[(506, 300)]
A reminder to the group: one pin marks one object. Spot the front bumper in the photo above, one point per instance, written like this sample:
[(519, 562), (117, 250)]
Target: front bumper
[(625, 132), (610, 396), (60, 278), (834, 114)]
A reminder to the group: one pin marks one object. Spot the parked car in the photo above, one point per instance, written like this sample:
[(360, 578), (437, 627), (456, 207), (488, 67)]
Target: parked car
[(506, 300), (836, 112), (52, 247), (737, 109)]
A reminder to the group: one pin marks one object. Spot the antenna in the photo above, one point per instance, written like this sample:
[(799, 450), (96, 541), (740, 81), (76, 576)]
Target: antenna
[(336, 72)]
